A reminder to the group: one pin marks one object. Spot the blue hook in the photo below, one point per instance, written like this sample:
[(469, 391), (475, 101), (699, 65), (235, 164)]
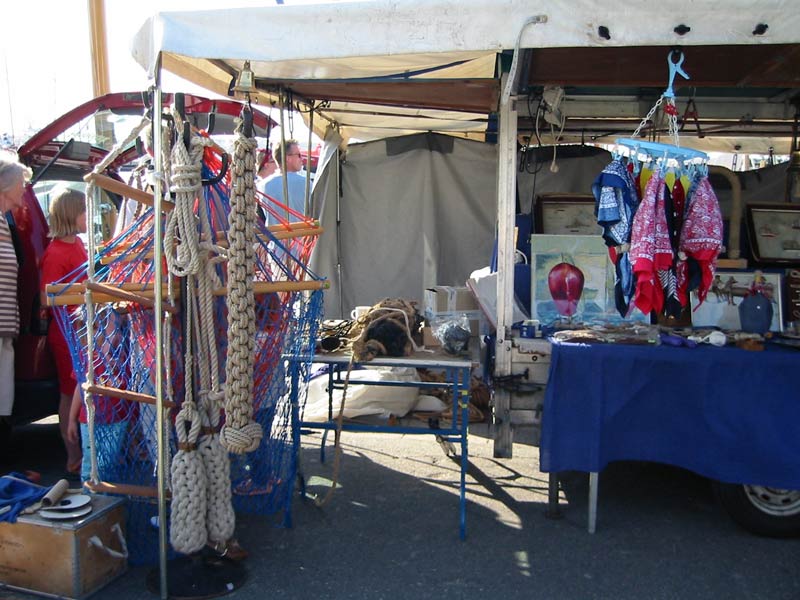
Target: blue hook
[(674, 67)]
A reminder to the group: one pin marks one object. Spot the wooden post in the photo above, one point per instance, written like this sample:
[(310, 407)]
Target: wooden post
[(99, 54)]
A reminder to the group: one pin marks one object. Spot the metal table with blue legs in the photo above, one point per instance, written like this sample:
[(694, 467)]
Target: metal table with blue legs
[(457, 379)]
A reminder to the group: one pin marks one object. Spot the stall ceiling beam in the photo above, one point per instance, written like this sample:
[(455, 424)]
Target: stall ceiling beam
[(621, 107), (776, 65), (717, 127), (466, 95)]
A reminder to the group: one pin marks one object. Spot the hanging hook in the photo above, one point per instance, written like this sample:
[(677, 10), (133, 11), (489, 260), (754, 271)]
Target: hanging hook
[(180, 107), (212, 119), (247, 120), (215, 179), (674, 67)]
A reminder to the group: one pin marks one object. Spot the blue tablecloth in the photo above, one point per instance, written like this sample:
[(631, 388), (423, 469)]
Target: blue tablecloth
[(725, 413)]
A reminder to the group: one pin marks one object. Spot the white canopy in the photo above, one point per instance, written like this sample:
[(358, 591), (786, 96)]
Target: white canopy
[(394, 30), (428, 65)]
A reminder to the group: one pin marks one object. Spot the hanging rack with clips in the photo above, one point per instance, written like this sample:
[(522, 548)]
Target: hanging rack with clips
[(658, 151)]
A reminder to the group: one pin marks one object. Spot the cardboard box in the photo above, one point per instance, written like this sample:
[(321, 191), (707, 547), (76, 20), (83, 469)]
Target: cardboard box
[(444, 301), (428, 339), (449, 299), (57, 558)]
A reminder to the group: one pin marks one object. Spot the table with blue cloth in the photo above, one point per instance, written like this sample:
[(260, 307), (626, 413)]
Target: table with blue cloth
[(725, 413)]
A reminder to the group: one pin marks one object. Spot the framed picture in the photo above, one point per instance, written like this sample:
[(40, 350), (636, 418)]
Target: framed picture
[(573, 279), (560, 214), (721, 306), (774, 233)]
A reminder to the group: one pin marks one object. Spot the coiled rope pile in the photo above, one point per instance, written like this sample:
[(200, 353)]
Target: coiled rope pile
[(386, 329)]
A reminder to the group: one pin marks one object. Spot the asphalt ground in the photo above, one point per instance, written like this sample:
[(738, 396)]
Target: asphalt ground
[(391, 530)]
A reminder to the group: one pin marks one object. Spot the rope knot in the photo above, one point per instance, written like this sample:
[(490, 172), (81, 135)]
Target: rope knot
[(241, 440)]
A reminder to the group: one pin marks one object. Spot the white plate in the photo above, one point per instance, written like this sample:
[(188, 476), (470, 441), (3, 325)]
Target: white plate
[(63, 515), (70, 503)]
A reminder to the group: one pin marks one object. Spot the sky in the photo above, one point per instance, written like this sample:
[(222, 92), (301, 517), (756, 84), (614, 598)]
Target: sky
[(45, 59)]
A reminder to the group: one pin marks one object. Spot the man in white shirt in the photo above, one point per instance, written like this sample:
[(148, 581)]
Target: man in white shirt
[(272, 186)]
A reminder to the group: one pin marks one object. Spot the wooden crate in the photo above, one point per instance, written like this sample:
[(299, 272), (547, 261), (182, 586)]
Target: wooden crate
[(57, 557)]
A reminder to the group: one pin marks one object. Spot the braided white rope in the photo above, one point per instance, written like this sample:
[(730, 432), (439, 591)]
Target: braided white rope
[(206, 284), (220, 516), (188, 531), (183, 258), (241, 433)]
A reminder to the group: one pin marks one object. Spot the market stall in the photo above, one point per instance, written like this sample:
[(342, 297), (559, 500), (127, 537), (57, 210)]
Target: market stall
[(477, 70)]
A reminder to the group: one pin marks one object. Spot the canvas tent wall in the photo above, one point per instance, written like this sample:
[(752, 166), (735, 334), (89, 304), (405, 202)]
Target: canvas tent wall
[(415, 211)]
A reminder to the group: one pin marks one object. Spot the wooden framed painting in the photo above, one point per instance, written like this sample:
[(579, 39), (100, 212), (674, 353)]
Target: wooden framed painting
[(774, 233), (721, 306), (565, 214)]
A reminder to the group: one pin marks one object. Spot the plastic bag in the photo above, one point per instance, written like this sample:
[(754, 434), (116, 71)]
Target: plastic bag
[(453, 333)]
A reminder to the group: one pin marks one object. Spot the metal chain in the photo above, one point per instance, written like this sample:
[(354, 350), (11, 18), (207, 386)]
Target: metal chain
[(673, 122), (672, 119), (648, 116)]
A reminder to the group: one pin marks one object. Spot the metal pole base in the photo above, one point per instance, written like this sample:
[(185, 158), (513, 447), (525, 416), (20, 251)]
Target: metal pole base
[(202, 575), (553, 509)]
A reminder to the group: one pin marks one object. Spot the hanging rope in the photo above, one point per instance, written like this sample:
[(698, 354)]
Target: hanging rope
[(220, 518), (241, 433), (181, 239), (188, 532), (190, 479)]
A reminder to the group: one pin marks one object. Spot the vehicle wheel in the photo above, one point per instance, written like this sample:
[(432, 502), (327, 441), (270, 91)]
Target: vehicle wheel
[(761, 510), (5, 434)]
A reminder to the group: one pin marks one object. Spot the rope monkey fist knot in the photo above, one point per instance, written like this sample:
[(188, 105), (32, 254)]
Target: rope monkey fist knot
[(241, 440)]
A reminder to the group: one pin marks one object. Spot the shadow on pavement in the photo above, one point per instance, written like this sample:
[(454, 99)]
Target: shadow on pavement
[(391, 531)]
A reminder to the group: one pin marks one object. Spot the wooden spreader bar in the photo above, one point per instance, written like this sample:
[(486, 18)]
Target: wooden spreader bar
[(70, 294), (112, 185), (123, 489), (105, 390), (126, 295)]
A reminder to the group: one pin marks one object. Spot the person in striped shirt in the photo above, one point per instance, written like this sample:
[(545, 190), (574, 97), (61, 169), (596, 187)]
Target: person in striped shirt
[(13, 176)]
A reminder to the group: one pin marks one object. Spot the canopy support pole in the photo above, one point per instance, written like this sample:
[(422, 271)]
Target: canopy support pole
[(506, 194), (158, 250), (307, 203)]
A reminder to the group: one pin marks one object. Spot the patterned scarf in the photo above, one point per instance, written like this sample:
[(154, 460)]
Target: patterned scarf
[(701, 238)]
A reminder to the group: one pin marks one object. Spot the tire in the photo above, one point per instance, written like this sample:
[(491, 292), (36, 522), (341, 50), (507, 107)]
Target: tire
[(771, 512), (5, 435)]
